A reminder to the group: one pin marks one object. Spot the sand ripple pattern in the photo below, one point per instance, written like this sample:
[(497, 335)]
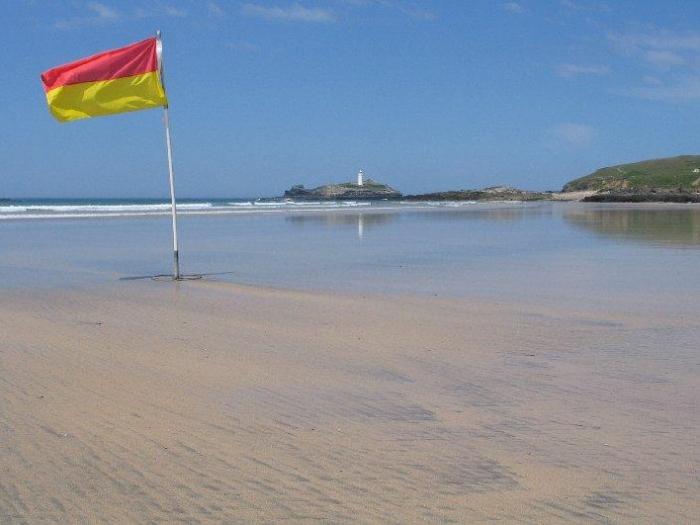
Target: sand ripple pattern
[(214, 403)]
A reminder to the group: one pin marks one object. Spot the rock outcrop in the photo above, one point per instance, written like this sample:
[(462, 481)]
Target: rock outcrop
[(643, 196), (370, 190), (493, 193)]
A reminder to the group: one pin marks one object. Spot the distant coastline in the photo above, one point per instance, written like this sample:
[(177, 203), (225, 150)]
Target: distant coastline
[(672, 179), (493, 193)]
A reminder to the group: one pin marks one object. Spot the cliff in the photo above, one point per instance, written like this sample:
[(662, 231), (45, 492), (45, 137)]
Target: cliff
[(672, 174)]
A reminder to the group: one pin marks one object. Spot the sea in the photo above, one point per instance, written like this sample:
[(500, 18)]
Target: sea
[(585, 255), (103, 208)]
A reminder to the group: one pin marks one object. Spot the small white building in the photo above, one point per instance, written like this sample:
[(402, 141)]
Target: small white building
[(696, 170), (360, 177)]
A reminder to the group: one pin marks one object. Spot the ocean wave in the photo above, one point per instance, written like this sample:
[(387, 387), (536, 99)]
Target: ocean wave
[(439, 204), (28, 210), (299, 204), (104, 208)]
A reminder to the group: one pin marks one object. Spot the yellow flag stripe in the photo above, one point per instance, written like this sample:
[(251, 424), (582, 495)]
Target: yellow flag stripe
[(106, 97)]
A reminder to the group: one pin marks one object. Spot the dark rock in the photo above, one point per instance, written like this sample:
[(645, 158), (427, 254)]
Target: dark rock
[(644, 196), (493, 193)]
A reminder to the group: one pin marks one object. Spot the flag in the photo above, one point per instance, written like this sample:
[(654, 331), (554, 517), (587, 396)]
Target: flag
[(116, 81)]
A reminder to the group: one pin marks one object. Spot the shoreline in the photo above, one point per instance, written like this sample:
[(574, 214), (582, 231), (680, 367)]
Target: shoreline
[(343, 207)]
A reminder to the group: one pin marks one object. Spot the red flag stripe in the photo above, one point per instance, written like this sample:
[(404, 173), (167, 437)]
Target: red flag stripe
[(134, 59)]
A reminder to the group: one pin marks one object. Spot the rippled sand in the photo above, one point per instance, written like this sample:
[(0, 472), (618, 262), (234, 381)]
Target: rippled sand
[(209, 402)]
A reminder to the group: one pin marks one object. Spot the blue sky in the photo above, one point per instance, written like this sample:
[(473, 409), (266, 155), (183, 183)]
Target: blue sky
[(424, 95)]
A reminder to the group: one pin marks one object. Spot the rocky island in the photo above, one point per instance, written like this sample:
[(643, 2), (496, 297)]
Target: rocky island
[(366, 190)]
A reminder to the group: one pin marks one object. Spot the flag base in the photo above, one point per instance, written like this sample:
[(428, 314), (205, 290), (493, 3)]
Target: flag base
[(176, 265)]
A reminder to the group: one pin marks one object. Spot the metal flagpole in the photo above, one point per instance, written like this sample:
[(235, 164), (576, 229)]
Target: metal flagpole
[(168, 142)]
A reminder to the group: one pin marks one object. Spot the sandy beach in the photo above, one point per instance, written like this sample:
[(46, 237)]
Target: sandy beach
[(350, 261), (211, 402)]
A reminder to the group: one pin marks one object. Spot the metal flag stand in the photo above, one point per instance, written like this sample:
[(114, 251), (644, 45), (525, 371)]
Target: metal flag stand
[(168, 142)]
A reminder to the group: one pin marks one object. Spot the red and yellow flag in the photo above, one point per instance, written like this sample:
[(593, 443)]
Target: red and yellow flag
[(116, 81)]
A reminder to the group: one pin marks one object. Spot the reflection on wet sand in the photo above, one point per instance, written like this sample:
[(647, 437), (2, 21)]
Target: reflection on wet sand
[(655, 224), (496, 212), (363, 220), (342, 219)]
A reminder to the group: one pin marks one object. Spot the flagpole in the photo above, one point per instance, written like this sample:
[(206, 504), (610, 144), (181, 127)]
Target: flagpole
[(173, 204)]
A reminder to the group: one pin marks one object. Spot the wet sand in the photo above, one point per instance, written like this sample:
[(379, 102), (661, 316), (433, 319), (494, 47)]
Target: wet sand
[(212, 402)]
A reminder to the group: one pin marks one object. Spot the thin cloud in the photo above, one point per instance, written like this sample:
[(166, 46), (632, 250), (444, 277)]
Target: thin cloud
[(581, 6), (685, 90), (102, 11), (176, 12), (156, 9), (575, 70), (664, 50), (215, 10), (295, 13), (415, 10), (513, 7), (97, 14), (359, 3), (664, 59), (574, 134), (656, 39)]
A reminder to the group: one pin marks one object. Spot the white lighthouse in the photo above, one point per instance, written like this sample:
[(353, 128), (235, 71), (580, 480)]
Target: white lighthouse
[(360, 182)]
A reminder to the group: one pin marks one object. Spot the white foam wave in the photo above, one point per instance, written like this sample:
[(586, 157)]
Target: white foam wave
[(104, 208), (299, 204), (69, 211), (441, 204)]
